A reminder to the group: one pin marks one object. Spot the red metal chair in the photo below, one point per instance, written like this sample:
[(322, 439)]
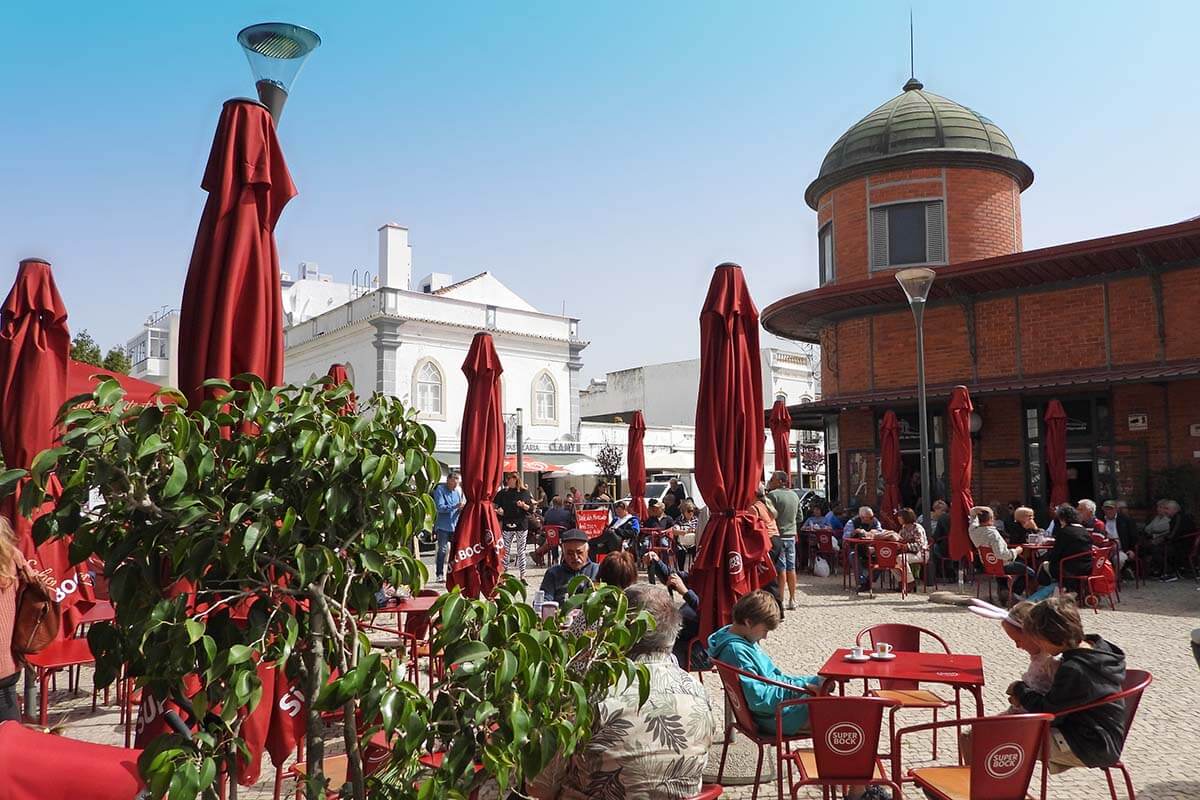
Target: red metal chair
[(887, 555), (1004, 752), (826, 550), (666, 552), (993, 567), (1100, 581), (709, 791), (907, 694), (845, 737), (743, 722), (1136, 683), (59, 655), (553, 541)]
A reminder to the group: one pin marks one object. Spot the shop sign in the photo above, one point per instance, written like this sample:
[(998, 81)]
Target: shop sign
[(1139, 422)]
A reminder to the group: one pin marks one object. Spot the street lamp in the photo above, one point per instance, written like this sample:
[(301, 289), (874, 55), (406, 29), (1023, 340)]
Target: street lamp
[(276, 52), (916, 284)]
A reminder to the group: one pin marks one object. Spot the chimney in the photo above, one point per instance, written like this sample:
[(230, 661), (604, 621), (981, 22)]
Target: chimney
[(395, 257)]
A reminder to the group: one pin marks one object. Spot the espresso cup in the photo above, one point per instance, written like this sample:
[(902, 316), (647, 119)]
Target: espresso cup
[(857, 652), (883, 649)]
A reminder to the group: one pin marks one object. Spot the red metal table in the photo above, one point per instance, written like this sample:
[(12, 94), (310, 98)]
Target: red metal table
[(850, 552), (952, 669), (1032, 553), (407, 605)]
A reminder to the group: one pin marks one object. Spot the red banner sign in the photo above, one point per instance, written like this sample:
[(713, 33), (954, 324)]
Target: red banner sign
[(592, 521)]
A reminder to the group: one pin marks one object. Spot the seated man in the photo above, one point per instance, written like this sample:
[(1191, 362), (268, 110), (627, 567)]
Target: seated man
[(629, 755), (984, 533), (575, 561), (754, 616), (623, 528)]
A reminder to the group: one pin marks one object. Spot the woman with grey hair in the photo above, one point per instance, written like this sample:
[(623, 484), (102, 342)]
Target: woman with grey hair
[(657, 750)]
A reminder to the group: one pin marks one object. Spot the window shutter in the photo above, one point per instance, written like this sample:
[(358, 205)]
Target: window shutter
[(879, 238), (935, 232)]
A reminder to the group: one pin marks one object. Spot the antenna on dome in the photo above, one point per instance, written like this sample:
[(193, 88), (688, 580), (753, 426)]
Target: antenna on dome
[(912, 71)]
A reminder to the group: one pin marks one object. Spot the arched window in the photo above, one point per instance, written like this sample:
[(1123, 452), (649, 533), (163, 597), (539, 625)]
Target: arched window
[(429, 389), (545, 399)]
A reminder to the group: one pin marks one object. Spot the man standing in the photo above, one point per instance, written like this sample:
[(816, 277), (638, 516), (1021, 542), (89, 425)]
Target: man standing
[(787, 506), (676, 488), (448, 500), (575, 561), (1119, 528)]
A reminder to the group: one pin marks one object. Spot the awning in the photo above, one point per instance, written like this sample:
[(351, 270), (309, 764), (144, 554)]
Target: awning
[(579, 467), (675, 461), (83, 378), (529, 465)]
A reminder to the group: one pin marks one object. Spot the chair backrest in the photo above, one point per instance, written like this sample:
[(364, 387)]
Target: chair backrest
[(1099, 539), (1004, 752), (845, 735), (825, 542), (731, 682), (887, 554), (552, 534), (903, 638), (992, 565), (709, 791), (1136, 682)]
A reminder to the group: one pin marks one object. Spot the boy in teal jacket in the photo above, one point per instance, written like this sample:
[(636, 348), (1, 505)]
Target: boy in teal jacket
[(754, 616)]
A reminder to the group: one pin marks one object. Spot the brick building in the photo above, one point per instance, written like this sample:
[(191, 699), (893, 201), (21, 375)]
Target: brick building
[(1106, 326)]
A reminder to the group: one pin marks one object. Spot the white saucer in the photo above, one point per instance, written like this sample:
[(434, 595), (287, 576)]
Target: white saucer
[(884, 657), (862, 660)]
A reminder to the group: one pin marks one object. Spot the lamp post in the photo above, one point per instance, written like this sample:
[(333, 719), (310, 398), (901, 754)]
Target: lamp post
[(276, 52), (520, 448), (916, 284)]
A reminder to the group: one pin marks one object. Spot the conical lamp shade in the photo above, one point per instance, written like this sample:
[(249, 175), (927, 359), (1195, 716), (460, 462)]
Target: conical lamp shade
[(276, 52)]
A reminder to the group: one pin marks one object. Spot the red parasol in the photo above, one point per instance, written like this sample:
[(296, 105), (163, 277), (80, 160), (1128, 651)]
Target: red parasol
[(83, 378), (1056, 453), (961, 455), (34, 348), (636, 458), (889, 457), (478, 556), (734, 555), (36, 766), (530, 465), (781, 434), (231, 318), (339, 375)]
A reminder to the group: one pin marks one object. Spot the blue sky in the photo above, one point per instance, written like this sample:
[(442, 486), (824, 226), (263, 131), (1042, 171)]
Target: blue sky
[(603, 156)]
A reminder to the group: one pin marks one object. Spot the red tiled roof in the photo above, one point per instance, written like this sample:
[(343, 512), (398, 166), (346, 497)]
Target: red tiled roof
[(801, 316)]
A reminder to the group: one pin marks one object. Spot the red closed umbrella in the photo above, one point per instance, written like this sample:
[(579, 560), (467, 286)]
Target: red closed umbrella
[(636, 459), (339, 375), (889, 457), (477, 560), (734, 554), (231, 318), (961, 455), (781, 434), (34, 351), (1056, 453)]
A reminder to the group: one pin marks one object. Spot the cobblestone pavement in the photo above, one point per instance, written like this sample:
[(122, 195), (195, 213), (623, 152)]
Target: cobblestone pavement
[(1152, 625)]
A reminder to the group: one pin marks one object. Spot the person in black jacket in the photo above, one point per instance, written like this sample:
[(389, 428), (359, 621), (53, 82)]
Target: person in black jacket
[(1070, 538), (1091, 669), (515, 504)]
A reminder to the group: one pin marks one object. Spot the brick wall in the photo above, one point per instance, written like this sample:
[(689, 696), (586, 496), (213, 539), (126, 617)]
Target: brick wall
[(996, 337), (1183, 398), (854, 354), (1133, 321), (983, 212), (1062, 329), (856, 431), (1180, 292), (1000, 438)]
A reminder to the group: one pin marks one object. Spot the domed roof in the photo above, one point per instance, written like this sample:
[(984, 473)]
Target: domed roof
[(917, 128)]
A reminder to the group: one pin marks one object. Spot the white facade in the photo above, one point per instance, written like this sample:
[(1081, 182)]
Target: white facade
[(154, 351), (412, 344), (785, 373)]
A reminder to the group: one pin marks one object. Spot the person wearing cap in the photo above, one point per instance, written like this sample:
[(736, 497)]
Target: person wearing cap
[(1121, 529), (575, 561)]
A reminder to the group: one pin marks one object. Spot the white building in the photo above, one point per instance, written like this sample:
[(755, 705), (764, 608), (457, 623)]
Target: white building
[(666, 396), (409, 339), (154, 351)]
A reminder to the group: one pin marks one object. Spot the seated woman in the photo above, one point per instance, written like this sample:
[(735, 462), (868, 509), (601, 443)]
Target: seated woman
[(754, 616), (912, 536), (624, 528)]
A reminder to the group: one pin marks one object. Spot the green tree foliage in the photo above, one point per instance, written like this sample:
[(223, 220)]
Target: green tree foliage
[(84, 349), (257, 529), (117, 360)]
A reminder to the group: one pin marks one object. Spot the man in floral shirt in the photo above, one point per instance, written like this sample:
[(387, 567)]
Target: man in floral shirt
[(657, 751)]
